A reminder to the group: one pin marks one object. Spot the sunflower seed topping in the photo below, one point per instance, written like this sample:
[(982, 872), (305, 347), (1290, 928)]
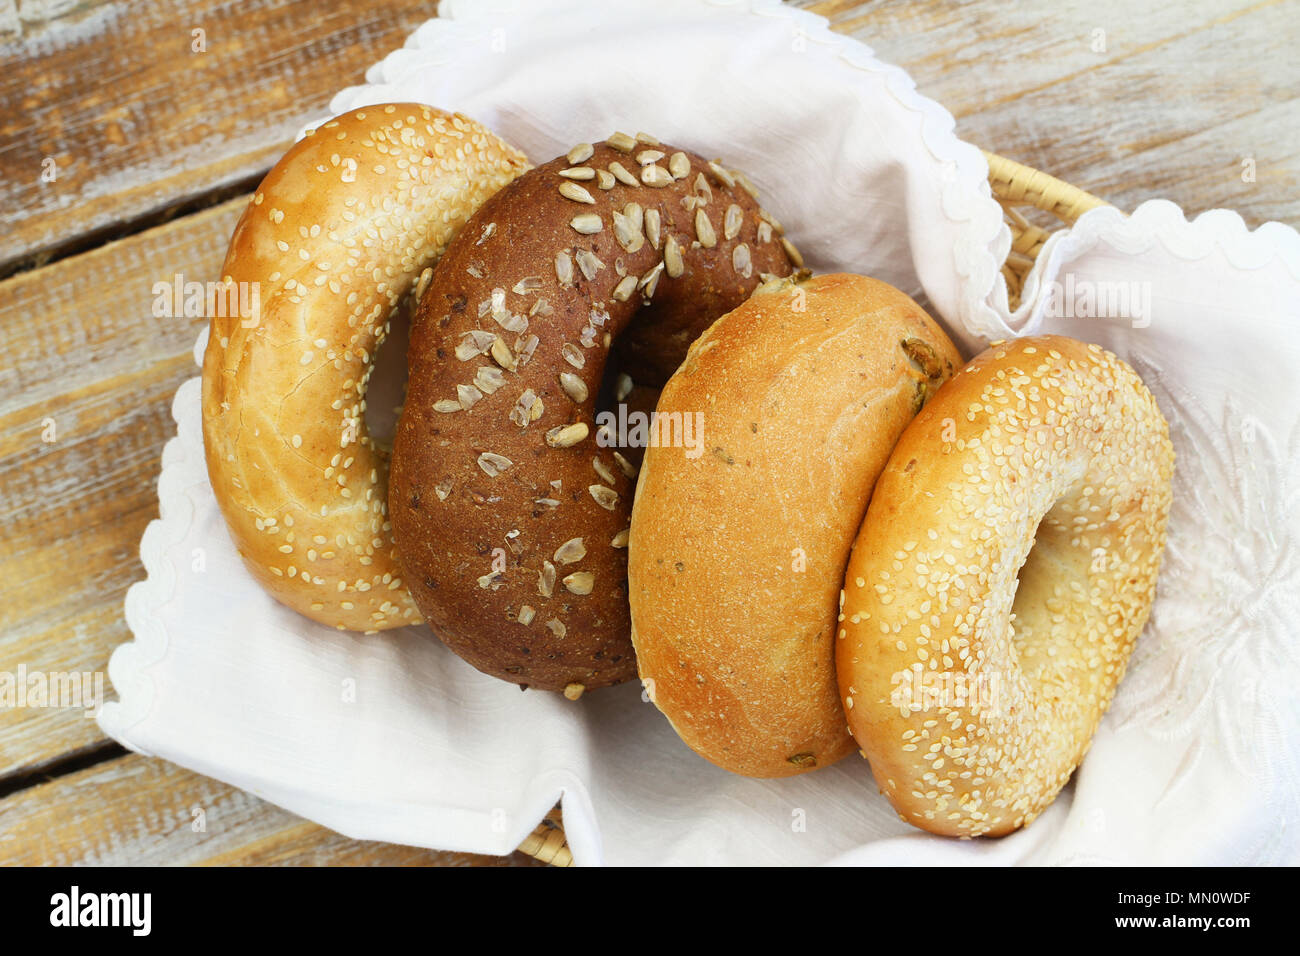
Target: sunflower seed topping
[(492, 580), (764, 232), (589, 263), (467, 395), (746, 184), (607, 498), (573, 386), (604, 179), (652, 227), (527, 410), (648, 156), (776, 223), (580, 582), (503, 317), (679, 165), (602, 471), (731, 224), (423, 283), (656, 176), (673, 264), (511, 321), (587, 223), (493, 464), (575, 192), (566, 436), (442, 489), (527, 284), (650, 281), (488, 231), (546, 579), (474, 343), (526, 615), (629, 469), (578, 172), (723, 175), (571, 551), (447, 405), (573, 355), (621, 142), (623, 291), (623, 386), (622, 175), (524, 349), (635, 214), (647, 139), (580, 153), (489, 378), (704, 230), (557, 628), (620, 539), (792, 252), (741, 262), (564, 268), (501, 354), (625, 231), (702, 189)]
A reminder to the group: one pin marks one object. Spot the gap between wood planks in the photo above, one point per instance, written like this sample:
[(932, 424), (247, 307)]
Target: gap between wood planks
[(72, 762), (184, 206)]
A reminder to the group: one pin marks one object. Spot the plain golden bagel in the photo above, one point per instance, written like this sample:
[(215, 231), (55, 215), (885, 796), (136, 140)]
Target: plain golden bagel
[(738, 553), (1005, 567), (510, 502), (336, 237)]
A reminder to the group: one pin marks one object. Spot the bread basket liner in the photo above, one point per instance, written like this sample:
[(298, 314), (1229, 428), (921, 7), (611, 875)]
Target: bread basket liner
[(967, 290)]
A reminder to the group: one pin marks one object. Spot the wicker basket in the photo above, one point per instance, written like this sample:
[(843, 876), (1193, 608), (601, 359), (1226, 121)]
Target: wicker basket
[(1016, 187)]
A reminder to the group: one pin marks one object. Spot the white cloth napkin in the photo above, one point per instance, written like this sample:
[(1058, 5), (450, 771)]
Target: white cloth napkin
[(392, 737)]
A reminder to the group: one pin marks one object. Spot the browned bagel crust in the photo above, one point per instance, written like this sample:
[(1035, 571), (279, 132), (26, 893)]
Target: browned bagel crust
[(737, 555), (333, 242), (486, 491), (974, 670)]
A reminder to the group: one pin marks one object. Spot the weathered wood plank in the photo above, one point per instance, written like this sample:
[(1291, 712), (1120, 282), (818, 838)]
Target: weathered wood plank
[(1129, 101), (149, 812), (89, 366), (114, 98), (83, 92)]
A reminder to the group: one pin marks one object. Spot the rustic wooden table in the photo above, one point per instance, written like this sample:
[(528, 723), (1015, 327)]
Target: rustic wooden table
[(126, 156)]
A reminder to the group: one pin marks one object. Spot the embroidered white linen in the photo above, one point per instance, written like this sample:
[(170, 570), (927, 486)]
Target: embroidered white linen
[(392, 737)]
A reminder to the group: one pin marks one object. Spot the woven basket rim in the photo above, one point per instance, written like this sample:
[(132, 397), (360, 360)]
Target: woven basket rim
[(1014, 186)]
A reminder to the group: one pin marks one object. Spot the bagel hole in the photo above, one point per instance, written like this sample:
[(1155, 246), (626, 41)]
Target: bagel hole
[(642, 399), (387, 389), (1050, 560)]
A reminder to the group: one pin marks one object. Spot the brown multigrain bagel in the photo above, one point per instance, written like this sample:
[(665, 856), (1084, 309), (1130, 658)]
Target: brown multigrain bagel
[(737, 555), (1003, 572), (510, 507), (334, 240)]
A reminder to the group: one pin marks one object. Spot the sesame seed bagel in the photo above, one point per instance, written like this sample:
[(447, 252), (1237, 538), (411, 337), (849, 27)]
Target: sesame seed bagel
[(737, 555), (331, 244), (1005, 567), (510, 504)]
